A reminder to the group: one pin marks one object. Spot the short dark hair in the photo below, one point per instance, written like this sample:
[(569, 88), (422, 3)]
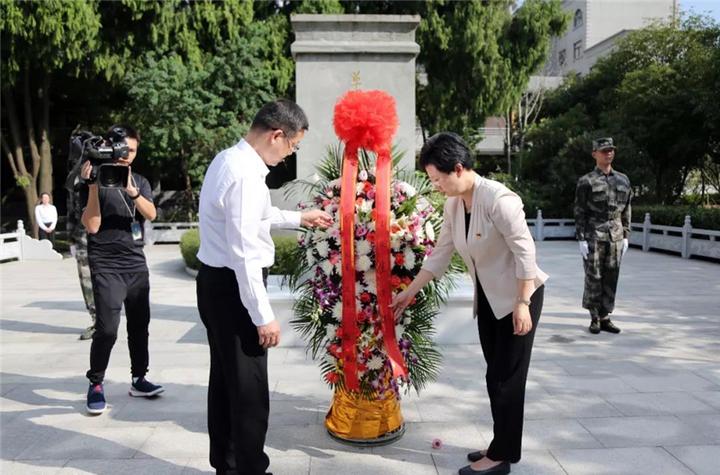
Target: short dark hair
[(444, 150), (282, 114), (123, 130)]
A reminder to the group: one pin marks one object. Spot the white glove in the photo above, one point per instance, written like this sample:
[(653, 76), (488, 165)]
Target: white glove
[(584, 250), (73, 250), (626, 244)]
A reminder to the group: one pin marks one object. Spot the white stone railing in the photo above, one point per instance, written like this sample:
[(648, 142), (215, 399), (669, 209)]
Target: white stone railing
[(166, 233), (18, 245), (684, 240)]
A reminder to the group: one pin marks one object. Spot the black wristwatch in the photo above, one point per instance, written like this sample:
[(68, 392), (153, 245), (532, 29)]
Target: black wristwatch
[(135, 197)]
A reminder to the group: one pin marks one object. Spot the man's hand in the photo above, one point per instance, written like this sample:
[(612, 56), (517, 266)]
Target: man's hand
[(315, 217), (584, 250), (86, 170), (269, 334), (129, 188), (626, 244), (522, 323)]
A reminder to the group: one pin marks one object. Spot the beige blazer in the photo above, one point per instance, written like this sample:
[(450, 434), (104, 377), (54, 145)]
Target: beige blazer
[(499, 248)]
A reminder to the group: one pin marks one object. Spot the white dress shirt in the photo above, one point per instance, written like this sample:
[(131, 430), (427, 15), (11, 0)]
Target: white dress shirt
[(235, 220), (46, 214)]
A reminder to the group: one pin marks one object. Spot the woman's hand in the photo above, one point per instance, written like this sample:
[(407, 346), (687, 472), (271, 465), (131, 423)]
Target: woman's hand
[(401, 301), (522, 323)]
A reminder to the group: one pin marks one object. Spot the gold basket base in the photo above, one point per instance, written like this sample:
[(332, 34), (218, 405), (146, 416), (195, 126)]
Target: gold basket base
[(358, 421)]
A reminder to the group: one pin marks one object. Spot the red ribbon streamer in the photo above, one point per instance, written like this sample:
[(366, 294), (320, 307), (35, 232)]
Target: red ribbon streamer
[(350, 330)]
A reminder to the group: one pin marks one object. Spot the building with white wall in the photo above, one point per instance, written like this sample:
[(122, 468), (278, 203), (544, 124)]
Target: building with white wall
[(597, 25)]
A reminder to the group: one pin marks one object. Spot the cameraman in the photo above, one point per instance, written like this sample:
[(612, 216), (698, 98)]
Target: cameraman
[(114, 220)]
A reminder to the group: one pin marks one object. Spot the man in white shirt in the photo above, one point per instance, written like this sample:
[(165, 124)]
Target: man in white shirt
[(235, 247)]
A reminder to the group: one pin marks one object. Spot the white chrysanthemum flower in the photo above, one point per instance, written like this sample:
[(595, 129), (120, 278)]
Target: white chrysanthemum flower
[(399, 330), (363, 248), (322, 248), (370, 280), (330, 331), (408, 189), (366, 206), (309, 256), (409, 259), (430, 231), (375, 363), (359, 187), (406, 321), (363, 175), (363, 264), (337, 311), (327, 268), (371, 226), (409, 237), (395, 243)]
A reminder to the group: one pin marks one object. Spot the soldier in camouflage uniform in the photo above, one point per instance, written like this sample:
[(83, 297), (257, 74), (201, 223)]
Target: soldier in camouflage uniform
[(77, 236), (602, 225)]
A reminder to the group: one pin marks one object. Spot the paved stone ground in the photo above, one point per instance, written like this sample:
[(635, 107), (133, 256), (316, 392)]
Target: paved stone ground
[(644, 401)]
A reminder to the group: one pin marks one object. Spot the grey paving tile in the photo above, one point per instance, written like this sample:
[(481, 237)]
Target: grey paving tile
[(94, 443), (124, 467), (701, 459), (563, 406), (363, 464), (705, 425), (31, 467), (171, 442), (679, 381), (619, 461), (288, 413), (711, 398), (644, 431), (645, 404), (457, 437), (534, 462)]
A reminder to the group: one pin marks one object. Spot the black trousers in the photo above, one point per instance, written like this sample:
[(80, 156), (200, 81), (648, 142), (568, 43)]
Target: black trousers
[(50, 236), (508, 360), (238, 395), (110, 292)]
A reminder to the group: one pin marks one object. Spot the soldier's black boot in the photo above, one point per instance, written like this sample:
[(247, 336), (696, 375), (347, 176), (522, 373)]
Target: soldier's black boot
[(608, 326), (594, 326)]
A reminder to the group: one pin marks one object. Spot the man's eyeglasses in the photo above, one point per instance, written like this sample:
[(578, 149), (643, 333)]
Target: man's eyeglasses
[(293, 146)]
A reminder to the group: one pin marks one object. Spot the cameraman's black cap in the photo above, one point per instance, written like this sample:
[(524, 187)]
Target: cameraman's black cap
[(117, 134)]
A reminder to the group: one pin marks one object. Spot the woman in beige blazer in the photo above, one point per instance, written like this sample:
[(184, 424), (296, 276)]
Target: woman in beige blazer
[(484, 222)]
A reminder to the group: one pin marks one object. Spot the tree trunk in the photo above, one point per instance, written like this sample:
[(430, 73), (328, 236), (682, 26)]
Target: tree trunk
[(46, 165), (16, 157)]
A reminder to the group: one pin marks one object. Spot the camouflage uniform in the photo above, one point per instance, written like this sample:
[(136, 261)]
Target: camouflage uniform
[(78, 237), (602, 218)]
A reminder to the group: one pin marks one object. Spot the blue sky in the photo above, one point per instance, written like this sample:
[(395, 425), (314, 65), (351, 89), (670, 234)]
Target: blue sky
[(709, 7)]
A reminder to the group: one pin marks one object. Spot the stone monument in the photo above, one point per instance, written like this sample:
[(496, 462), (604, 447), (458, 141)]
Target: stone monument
[(336, 53)]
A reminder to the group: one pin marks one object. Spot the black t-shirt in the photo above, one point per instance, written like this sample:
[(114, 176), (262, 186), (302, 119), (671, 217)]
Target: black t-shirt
[(112, 248)]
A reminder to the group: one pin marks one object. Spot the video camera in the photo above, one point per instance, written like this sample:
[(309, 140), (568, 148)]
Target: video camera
[(103, 153)]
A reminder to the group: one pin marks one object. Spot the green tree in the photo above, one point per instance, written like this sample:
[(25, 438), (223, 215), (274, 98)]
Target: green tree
[(651, 95), (478, 57), (38, 38), (189, 111), (56, 41)]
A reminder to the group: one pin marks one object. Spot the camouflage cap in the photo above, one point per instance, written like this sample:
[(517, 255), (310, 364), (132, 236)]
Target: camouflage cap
[(603, 143)]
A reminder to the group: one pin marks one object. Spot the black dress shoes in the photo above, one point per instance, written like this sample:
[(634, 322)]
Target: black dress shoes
[(475, 456), (500, 469), (594, 326), (608, 326)]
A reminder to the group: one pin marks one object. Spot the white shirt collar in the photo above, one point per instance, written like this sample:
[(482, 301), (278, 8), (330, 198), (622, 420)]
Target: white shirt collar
[(245, 147)]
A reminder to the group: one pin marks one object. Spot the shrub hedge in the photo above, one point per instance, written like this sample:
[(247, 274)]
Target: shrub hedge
[(284, 247), (700, 218)]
